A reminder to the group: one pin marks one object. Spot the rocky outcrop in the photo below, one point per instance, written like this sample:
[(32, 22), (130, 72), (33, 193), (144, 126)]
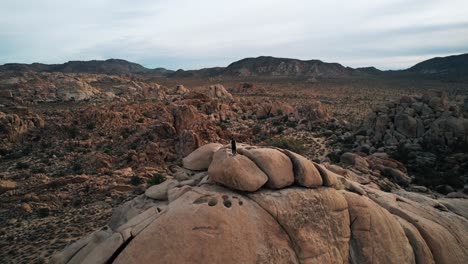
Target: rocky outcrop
[(200, 221), (272, 108), (219, 92), (310, 113), (13, 126), (50, 87), (427, 131), (180, 90)]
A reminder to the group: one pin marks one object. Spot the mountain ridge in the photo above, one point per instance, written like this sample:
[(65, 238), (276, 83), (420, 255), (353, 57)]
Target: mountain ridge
[(450, 68)]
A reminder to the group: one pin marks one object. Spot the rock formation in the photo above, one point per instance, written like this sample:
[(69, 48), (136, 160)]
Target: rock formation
[(230, 215), (425, 132), (218, 91), (52, 87)]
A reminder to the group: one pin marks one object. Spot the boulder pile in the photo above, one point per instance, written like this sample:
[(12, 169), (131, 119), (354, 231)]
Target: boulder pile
[(269, 205), (13, 126), (425, 132)]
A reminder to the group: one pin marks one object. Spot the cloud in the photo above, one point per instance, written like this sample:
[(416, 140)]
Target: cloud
[(192, 34)]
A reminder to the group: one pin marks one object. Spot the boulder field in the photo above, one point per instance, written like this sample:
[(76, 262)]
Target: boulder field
[(268, 205)]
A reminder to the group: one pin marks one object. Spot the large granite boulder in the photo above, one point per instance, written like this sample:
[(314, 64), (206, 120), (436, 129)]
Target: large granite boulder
[(201, 158), (236, 171), (343, 221), (212, 224), (305, 172), (276, 165)]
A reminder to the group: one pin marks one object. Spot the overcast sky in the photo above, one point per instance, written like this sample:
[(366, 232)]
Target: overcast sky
[(192, 34)]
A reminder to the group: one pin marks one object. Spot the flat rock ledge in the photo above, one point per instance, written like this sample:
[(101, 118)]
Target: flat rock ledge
[(268, 205)]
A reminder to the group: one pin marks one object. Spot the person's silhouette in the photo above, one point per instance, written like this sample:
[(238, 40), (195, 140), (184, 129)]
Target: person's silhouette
[(233, 147)]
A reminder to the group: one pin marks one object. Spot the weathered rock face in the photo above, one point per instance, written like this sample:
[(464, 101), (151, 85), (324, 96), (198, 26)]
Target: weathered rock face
[(347, 222), (292, 225), (438, 228), (370, 220), (309, 216), (223, 228)]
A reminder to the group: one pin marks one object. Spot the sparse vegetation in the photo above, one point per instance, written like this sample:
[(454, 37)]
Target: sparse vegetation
[(156, 179), (22, 165), (38, 170), (287, 143), (135, 180)]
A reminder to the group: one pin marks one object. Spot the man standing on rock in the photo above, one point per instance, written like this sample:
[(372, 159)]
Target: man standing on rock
[(233, 147)]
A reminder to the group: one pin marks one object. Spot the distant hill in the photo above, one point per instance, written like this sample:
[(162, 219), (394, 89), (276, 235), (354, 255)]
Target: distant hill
[(451, 68), (111, 66), (272, 67)]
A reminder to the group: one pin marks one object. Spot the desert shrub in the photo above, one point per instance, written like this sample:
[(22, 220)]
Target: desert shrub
[(287, 143), (279, 112), (13, 155), (125, 116), (108, 150), (134, 145), (38, 170), (277, 122), (140, 120), (291, 124), (135, 180), (222, 126), (43, 212), (146, 114), (156, 179), (256, 129), (126, 132), (77, 168), (73, 132), (22, 165), (91, 126)]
